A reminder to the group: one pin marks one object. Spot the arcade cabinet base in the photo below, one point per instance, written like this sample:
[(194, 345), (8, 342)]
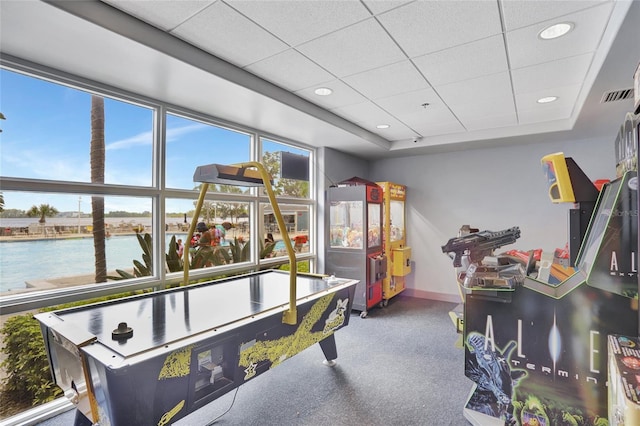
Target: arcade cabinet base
[(477, 418), (624, 380)]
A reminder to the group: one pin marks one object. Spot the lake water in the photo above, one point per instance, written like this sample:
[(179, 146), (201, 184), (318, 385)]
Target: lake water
[(22, 261)]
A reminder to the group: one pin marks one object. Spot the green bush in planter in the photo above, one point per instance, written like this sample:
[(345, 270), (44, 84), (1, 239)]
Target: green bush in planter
[(26, 365)]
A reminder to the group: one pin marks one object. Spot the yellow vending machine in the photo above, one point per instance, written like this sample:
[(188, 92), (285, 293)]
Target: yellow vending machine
[(394, 239)]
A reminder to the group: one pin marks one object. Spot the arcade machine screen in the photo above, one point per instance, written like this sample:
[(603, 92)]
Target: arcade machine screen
[(608, 254)]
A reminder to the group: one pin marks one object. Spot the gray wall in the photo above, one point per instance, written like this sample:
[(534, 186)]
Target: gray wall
[(490, 189)]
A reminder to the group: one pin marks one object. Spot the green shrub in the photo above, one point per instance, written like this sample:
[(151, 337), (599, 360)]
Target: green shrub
[(28, 376)]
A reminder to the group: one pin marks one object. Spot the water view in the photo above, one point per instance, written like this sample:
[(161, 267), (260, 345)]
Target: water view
[(65, 257), (24, 261)]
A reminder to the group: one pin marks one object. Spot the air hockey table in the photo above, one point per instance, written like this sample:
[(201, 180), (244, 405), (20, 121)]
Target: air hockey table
[(154, 358)]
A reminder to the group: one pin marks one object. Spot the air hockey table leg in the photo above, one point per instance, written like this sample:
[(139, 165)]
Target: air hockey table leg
[(329, 349)]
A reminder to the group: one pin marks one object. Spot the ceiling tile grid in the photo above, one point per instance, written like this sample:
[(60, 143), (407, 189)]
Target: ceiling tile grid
[(389, 80), (481, 65), (225, 33), (357, 48), (471, 60), (290, 70), (526, 48), (518, 14), (296, 22), (165, 15), (424, 27), (342, 95)]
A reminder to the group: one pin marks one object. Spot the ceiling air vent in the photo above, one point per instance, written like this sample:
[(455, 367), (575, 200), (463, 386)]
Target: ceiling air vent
[(617, 95)]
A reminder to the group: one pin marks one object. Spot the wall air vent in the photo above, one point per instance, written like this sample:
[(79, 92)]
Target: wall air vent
[(616, 95)]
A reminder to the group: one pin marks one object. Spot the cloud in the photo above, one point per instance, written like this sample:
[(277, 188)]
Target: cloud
[(145, 138), (175, 133)]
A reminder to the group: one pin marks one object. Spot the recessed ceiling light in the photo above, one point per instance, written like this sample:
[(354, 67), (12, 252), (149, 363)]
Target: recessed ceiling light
[(547, 99), (555, 30), (383, 126), (323, 91)]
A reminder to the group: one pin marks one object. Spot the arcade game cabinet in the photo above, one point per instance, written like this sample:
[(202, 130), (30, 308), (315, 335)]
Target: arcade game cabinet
[(536, 352), (568, 184), (394, 238), (354, 248), (624, 350)]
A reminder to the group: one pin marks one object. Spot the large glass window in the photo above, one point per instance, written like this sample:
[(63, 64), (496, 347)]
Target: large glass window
[(102, 183), (48, 240), (49, 131), (296, 219), (289, 167), (191, 143)]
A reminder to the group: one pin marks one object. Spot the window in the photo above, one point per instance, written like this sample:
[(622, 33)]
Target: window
[(289, 168), (55, 239), (47, 134), (145, 191), (191, 143)]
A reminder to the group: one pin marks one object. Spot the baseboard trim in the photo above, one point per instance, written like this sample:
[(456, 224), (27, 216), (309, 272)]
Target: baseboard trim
[(422, 294)]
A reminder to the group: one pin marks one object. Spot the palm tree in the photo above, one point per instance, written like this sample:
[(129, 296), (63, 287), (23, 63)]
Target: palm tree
[(1, 202), (97, 176), (44, 210)]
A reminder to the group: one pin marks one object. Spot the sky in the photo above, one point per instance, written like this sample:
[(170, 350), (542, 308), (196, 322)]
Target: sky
[(47, 135)]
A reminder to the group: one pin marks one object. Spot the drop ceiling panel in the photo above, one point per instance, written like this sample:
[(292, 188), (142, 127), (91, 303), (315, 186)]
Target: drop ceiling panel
[(526, 48), (434, 122), (494, 88), (368, 116), (380, 6), (439, 128), (365, 112), (358, 48), (428, 26), (474, 59), (483, 108), (290, 70), (563, 72), (544, 115), (165, 15), (527, 103), (408, 103), (389, 80), (474, 122), (296, 22), (342, 95), (518, 14), (227, 34)]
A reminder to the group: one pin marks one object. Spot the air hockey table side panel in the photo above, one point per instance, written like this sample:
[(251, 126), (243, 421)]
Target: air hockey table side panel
[(168, 381)]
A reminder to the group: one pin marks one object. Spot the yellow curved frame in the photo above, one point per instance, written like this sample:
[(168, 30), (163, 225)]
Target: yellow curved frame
[(291, 314)]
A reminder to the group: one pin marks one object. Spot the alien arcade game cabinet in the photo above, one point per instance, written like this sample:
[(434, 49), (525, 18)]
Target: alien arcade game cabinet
[(537, 352)]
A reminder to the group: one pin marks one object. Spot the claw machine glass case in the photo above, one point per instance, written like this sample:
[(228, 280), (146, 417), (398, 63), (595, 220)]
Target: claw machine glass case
[(354, 248), (394, 239)]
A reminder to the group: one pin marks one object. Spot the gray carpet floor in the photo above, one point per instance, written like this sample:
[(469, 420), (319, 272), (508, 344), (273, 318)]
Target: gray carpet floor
[(398, 366)]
